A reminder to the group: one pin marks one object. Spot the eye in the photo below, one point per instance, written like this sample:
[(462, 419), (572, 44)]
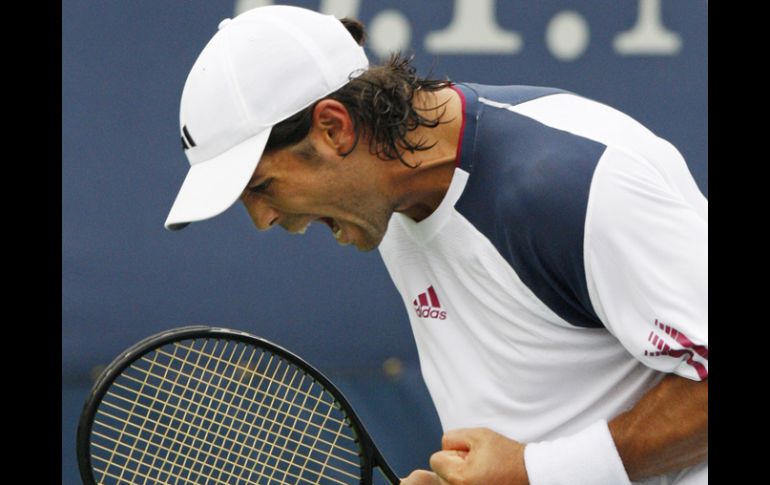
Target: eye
[(261, 187)]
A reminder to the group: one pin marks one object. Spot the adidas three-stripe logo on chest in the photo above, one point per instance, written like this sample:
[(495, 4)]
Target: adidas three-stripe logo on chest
[(427, 305)]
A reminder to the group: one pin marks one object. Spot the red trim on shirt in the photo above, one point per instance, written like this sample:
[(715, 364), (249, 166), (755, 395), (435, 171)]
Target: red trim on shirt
[(462, 127)]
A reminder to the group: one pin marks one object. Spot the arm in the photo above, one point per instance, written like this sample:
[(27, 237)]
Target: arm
[(667, 430)]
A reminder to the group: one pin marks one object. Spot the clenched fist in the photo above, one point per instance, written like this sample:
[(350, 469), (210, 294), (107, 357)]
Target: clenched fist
[(474, 456)]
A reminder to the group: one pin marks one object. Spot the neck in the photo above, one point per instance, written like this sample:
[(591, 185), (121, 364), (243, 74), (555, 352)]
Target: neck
[(419, 191)]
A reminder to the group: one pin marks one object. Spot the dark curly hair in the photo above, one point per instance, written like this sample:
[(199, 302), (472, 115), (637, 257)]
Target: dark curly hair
[(379, 102)]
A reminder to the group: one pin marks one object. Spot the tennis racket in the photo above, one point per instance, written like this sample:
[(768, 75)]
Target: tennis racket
[(217, 406)]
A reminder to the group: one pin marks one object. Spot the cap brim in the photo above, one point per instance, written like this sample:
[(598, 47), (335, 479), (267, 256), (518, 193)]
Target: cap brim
[(211, 187)]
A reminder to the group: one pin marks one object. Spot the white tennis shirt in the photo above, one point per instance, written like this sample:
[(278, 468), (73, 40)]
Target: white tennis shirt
[(564, 273)]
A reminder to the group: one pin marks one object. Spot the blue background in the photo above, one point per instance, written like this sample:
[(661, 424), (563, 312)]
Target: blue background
[(124, 277)]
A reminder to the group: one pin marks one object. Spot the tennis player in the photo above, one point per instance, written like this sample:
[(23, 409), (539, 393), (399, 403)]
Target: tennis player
[(551, 252)]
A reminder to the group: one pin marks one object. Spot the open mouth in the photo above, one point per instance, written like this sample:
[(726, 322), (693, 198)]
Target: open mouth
[(335, 228)]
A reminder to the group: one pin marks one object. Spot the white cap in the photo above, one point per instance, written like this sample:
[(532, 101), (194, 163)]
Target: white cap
[(260, 68)]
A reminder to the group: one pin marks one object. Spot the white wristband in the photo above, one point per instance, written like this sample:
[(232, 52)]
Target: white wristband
[(586, 458)]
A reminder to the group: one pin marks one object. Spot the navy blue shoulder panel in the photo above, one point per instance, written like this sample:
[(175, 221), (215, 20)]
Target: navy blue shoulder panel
[(528, 193), (512, 95)]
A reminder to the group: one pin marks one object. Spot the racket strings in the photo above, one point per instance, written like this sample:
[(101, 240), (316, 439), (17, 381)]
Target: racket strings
[(125, 425), (123, 478), (189, 460), (188, 414), (155, 427), (130, 457), (142, 464), (312, 412), (226, 460), (187, 457), (264, 377), (211, 421)]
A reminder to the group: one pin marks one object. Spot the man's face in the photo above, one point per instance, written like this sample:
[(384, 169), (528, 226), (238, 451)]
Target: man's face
[(293, 188)]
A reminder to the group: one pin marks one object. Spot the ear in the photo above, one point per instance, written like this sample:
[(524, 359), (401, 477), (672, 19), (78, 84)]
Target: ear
[(333, 126)]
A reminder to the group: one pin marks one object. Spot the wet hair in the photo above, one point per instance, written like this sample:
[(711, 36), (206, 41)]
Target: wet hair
[(379, 102)]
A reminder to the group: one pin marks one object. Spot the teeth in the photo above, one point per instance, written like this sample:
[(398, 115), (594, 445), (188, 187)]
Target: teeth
[(337, 233)]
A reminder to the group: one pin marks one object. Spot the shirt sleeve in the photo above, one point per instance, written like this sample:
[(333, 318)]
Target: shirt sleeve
[(646, 258)]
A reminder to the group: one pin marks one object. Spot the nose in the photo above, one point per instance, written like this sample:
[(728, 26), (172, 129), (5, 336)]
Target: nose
[(262, 215)]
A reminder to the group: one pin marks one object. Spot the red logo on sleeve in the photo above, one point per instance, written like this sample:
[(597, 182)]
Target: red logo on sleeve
[(683, 346)]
